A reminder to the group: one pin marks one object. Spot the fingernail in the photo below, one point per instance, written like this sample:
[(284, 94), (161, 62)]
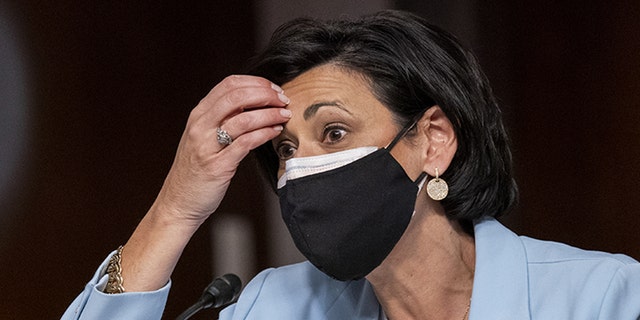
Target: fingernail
[(283, 98), (285, 113), (276, 88), (278, 128)]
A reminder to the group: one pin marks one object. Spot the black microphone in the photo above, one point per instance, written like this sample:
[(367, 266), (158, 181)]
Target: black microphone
[(223, 290)]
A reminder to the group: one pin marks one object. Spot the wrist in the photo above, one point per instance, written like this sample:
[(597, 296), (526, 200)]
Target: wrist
[(179, 209), (154, 249), (164, 215)]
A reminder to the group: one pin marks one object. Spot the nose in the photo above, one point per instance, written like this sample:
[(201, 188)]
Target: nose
[(308, 150)]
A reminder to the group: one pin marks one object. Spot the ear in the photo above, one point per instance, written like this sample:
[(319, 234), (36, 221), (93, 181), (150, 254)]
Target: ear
[(441, 142)]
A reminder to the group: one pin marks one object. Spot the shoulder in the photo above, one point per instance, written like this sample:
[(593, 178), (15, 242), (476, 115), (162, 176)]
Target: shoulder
[(298, 291), (491, 235), (567, 261), (593, 282), (293, 281), (540, 251), (550, 280)]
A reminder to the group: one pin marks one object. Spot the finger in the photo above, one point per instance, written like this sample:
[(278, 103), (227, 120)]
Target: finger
[(238, 81), (249, 141), (235, 93), (255, 119), (235, 81), (237, 101)]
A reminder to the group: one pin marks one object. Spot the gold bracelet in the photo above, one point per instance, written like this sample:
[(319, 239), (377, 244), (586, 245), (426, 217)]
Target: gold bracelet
[(114, 270)]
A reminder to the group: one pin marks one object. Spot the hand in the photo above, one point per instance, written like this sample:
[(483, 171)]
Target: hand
[(251, 110)]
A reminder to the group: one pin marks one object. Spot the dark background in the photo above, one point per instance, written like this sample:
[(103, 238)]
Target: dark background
[(112, 84)]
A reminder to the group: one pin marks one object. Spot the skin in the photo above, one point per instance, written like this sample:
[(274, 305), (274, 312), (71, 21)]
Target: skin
[(200, 174), (326, 109), (429, 273)]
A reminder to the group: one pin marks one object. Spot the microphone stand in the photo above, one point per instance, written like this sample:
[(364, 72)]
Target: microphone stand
[(222, 291)]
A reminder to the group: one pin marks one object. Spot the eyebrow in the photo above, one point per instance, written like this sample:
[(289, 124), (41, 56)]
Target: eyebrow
[(311, 110)]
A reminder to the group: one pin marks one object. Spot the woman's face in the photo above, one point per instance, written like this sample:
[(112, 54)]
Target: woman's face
[(333, 110)]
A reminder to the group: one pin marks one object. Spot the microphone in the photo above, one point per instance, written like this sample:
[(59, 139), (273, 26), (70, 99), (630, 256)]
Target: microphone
[(222, 291)]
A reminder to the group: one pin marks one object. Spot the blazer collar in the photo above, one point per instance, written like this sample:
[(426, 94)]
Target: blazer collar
[(500, 286)]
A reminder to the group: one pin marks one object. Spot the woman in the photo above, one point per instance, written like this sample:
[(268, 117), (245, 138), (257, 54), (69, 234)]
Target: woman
[(391, 162)]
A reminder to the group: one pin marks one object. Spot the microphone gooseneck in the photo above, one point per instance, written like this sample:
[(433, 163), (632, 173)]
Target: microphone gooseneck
[(221, 291)]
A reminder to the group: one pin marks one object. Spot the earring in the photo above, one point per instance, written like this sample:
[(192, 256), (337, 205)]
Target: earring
[(437, 188)]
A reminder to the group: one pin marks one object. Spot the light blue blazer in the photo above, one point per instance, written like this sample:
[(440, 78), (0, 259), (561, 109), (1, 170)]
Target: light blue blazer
[(515, 278)]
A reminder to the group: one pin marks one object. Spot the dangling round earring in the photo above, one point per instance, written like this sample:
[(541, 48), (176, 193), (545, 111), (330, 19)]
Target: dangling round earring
[(437, 188)]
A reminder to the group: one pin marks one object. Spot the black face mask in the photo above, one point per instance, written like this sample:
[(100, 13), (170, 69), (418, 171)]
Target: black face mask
[(347, 210)]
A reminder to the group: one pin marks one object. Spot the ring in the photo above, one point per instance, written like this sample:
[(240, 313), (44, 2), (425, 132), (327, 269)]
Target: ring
[(223, 137)]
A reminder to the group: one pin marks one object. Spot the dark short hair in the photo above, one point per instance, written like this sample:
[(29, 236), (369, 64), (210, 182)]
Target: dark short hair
[(410, 66)]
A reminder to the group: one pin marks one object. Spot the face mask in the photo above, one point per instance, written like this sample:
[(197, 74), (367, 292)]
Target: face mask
[(347, 210)]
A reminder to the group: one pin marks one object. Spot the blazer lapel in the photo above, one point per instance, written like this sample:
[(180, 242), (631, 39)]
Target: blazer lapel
[(356, 302)]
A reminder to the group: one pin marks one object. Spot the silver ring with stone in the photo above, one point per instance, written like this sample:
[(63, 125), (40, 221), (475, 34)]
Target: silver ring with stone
[(223, 137)]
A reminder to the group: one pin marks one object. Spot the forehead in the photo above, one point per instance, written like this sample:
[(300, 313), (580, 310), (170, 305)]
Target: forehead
[(329, 74), (332, 85)]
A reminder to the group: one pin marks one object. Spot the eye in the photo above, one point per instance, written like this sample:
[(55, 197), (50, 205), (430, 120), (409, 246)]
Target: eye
[(285, 150), (333, 134)]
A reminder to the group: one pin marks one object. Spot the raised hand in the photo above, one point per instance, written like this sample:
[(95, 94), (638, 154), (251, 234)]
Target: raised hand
[(238, 114)]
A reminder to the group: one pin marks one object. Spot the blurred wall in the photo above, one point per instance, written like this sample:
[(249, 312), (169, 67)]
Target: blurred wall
[(14, 117), (111, 85)]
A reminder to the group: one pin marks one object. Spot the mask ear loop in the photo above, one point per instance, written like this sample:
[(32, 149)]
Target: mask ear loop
[(408, 127), (403, 132)]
